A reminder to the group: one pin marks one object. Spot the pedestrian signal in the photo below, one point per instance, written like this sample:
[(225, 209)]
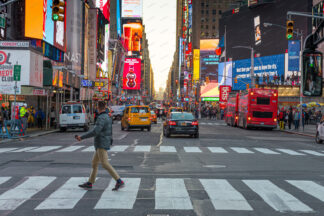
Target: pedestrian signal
[(290, 29), (58, 10)]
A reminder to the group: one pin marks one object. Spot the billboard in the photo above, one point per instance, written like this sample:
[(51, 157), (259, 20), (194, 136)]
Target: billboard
[(92, 42), (132, 35), (48, 22), (225, 74), (293, 55), (132, 8), (196, 64), (265, 68), (257, 30), (34, 19), (224, 91), (132, 74), (118, 19), (104, 6), (72, 56), (209, 59), (209, 90)]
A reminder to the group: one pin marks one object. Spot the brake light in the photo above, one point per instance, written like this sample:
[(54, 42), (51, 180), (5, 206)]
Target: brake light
[(151, 118), (249, 118), (195, 123), (236, 117), (275, 94), (252, 93), (275, 120), (172, 123)]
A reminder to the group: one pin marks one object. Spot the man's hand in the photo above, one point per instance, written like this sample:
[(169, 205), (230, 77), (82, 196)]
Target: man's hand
[(78, 138)]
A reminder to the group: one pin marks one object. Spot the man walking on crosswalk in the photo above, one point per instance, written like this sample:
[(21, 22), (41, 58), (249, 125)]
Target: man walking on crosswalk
[(102, 133)]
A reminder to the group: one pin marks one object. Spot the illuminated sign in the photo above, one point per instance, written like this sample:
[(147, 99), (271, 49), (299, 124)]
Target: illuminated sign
[(210, 99), (132, 8), (196, 64), (132, 74), (224, 93), (34, 18), (132, 36)]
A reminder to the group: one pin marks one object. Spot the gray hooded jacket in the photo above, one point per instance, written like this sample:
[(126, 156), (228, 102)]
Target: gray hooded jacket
[(102, 132)]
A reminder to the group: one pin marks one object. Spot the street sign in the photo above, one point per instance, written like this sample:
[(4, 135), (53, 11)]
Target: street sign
[(2, 22), (17, 70)]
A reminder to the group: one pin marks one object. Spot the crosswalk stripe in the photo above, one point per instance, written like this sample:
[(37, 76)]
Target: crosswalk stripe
[(224, 196), (192, 149), (142, 148), (217, 150), (277, 198), (89, 149), (242, 150), (70, 149), (266, 151), (118, 148), (13, 198), (290, 152), (312, 152), (4, 179), (6, 149), (172, 194), (66, 197), (44, 149), (167, 149), (26, 149), (124, 198), (309, 187)]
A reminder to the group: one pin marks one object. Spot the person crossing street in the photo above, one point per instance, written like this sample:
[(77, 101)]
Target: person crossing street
[(102, 133)]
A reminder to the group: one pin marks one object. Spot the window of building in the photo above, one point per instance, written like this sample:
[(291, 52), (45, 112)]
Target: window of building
[(214, 27), (202, 11), (202, 4), (214, 12), (220, 11), (206, 26), (206, 11), (202, 34), (207, 20), (202, 20), (202, 26), (207, 34), (214, 19)]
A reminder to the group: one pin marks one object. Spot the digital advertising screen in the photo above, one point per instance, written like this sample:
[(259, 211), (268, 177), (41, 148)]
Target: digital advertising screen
[(132, 35), (225, 73), (209, 59), (132, 8), (132, 74), (34, 17), (209, 90)]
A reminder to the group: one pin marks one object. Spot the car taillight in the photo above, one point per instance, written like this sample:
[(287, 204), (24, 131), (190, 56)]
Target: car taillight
[(151, 118), (172, 123), (249, 118), (275, 120), (195, 123), (236, 117)]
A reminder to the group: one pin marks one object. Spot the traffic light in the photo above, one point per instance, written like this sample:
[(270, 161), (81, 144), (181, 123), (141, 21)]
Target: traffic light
[(58, 10), (207, 80), (247, 86), (235, 80), (290, 29)]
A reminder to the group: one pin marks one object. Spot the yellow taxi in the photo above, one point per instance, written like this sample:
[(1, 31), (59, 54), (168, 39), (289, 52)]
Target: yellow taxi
[(175, 109), (136, 117), (153, 117)]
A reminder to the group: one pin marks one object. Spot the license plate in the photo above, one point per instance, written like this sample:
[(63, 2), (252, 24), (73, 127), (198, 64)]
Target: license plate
[(143, 119), (262, 123), (183, 124), (76, 117)]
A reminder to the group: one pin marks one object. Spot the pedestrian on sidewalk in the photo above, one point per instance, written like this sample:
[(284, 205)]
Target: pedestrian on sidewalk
[(40, 116), (290, 118), (102, 133), (296, 119), (282, 119), (23, 114), (52, 117)]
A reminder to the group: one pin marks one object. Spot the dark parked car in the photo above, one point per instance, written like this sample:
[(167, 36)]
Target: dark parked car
[(181, 123)]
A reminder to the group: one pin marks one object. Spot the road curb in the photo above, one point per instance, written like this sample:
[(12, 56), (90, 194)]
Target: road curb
[(29, 136), (298, 133)]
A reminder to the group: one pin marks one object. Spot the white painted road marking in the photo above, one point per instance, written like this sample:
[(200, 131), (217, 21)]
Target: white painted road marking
[(6, 149), (66, 197), (4, 179), (290, 152), (26, 149), (118, 148), (266, 151), (171, 194), (44, 149), (242, 150), (167, 149), (217, 150), (124, 198), (89, 149), (224, 196), (70, 149), (192, 149), (309, 187), (142, 148), (312, 152), (13, 198), (277, 198)]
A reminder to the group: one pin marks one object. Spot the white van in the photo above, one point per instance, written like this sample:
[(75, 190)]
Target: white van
[(73, 115)]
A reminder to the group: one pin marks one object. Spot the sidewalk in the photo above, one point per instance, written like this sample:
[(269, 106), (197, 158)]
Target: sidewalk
[(32, 132), (309, 130)]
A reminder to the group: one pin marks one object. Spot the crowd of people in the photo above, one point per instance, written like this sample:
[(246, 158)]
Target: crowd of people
[(292, 116), (292, 79)]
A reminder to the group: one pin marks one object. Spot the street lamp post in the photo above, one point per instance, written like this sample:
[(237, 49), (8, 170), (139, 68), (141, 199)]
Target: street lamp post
[(252, 63)]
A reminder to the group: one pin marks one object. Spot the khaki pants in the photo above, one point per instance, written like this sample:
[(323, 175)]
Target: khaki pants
[(101, 156), (282, 125)]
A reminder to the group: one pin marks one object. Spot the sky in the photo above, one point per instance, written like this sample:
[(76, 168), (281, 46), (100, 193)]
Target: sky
[(159, 18)]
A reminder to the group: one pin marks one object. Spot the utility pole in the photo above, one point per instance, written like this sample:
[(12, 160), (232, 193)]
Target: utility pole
[(252, 68), (301, 78)]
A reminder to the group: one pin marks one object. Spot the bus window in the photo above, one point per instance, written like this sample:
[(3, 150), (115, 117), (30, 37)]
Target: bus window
[(312, 73), (263, 100)]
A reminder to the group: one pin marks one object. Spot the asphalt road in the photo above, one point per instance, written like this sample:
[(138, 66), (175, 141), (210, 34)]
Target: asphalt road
[(227, 171)]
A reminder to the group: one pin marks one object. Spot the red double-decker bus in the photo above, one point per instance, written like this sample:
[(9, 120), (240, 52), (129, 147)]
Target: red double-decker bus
[(231, 112), (257, 108)]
